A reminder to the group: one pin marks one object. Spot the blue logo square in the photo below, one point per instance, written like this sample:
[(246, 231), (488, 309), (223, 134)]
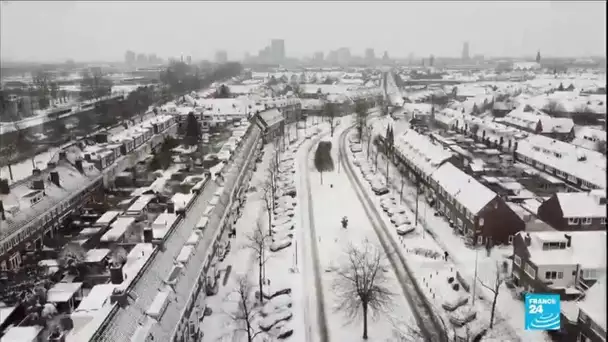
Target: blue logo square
[(542, 311)]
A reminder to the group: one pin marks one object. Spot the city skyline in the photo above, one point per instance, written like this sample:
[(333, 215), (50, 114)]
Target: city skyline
[(554, 28)]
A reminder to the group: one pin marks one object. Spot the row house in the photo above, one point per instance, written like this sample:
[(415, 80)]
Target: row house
[(575, 211), (272, 124), (532, 120), (312, 107), (590, 138), (473, 209), (574, 165), (565, 263), (591, 320), (36, 207), (290, 107)]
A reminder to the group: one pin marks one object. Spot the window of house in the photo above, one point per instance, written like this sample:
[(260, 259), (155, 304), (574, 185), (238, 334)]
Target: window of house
[(510, 239), (3, 266), (603, 220), (550, 275), (586, 221), (589, 274), (573, 221), (530, 271), (479, 239), (560, 275), (517, 260)]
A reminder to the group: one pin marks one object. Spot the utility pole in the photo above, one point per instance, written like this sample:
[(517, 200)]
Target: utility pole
[(417, 194), (401, 191), (475, 275)]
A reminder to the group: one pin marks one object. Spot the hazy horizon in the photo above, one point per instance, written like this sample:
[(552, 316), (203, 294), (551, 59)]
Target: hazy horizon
[(103, 31)]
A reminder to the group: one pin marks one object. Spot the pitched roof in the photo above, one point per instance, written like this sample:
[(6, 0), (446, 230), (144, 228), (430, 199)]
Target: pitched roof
[(582, 204), (594, 303), (465, 189)]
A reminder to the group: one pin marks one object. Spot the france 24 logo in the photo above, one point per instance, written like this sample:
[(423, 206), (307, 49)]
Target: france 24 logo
[(542, 312)]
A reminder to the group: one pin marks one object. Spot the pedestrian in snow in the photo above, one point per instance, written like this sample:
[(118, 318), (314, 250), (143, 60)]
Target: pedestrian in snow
[(445, 256)]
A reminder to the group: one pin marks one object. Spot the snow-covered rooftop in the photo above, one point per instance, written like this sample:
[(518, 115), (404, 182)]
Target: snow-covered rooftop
[(588, 248), (582, 204), (465, 189), (594, 303), (587, 165)]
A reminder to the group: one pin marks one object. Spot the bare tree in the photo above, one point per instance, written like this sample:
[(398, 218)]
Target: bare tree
[(361, 107), (331, 113), (72, 258), (269, 190), (361, 284), (495, 289), (257, 242), (553, 107), (245, 314)]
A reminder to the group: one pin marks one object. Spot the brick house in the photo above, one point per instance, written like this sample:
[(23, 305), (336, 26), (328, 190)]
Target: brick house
[(575, 211), (558, 262)]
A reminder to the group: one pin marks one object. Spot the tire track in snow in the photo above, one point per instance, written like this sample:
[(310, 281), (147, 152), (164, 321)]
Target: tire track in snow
[(320, 300)]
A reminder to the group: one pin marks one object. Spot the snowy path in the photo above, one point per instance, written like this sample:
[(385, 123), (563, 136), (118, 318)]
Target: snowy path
[(328, 205)]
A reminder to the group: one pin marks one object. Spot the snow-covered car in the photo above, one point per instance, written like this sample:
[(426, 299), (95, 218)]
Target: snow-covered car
[(353, 139), (284, 211), (276, 246), (379, 188), (368, 176), (286, 184), (280, 220), (285, 200), (356, 148), (284, 228), (397, 209), (405, 229), (399, 220), (356, 162), (275, 304)]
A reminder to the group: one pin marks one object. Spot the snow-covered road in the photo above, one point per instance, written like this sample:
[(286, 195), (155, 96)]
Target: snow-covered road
[(331, 201)]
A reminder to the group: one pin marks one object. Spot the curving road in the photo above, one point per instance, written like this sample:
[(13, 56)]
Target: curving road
[(427, 322)]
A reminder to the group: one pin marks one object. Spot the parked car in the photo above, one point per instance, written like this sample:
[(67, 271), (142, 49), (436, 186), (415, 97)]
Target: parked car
[(356, 148), (399, 220), (379, 188), (405, 229), (397, 209)]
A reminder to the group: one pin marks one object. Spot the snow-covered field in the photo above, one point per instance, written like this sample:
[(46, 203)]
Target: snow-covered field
[(509, 312), (332, 200)]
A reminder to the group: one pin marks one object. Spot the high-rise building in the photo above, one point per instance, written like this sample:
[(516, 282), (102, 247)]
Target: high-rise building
[(385, 58), (221, 56), (142, 58), (370, 56), (189, 59), (130, 57), (277, 49), (343, 55), (318, 57), (465, 51)]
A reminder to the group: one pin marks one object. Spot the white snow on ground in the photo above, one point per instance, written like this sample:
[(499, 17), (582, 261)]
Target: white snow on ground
[(509, 310), (330, 204), (279, 270)]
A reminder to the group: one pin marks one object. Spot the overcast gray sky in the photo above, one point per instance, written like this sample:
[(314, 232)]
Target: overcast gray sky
[(88, 30)]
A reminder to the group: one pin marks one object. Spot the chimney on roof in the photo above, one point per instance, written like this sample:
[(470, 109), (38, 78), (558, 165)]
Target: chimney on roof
[(51, 165), (528, 239), (54, 175), (78, 165), (5, 188), (148, 235), (569, 238), (62, 155), (36, 172)]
